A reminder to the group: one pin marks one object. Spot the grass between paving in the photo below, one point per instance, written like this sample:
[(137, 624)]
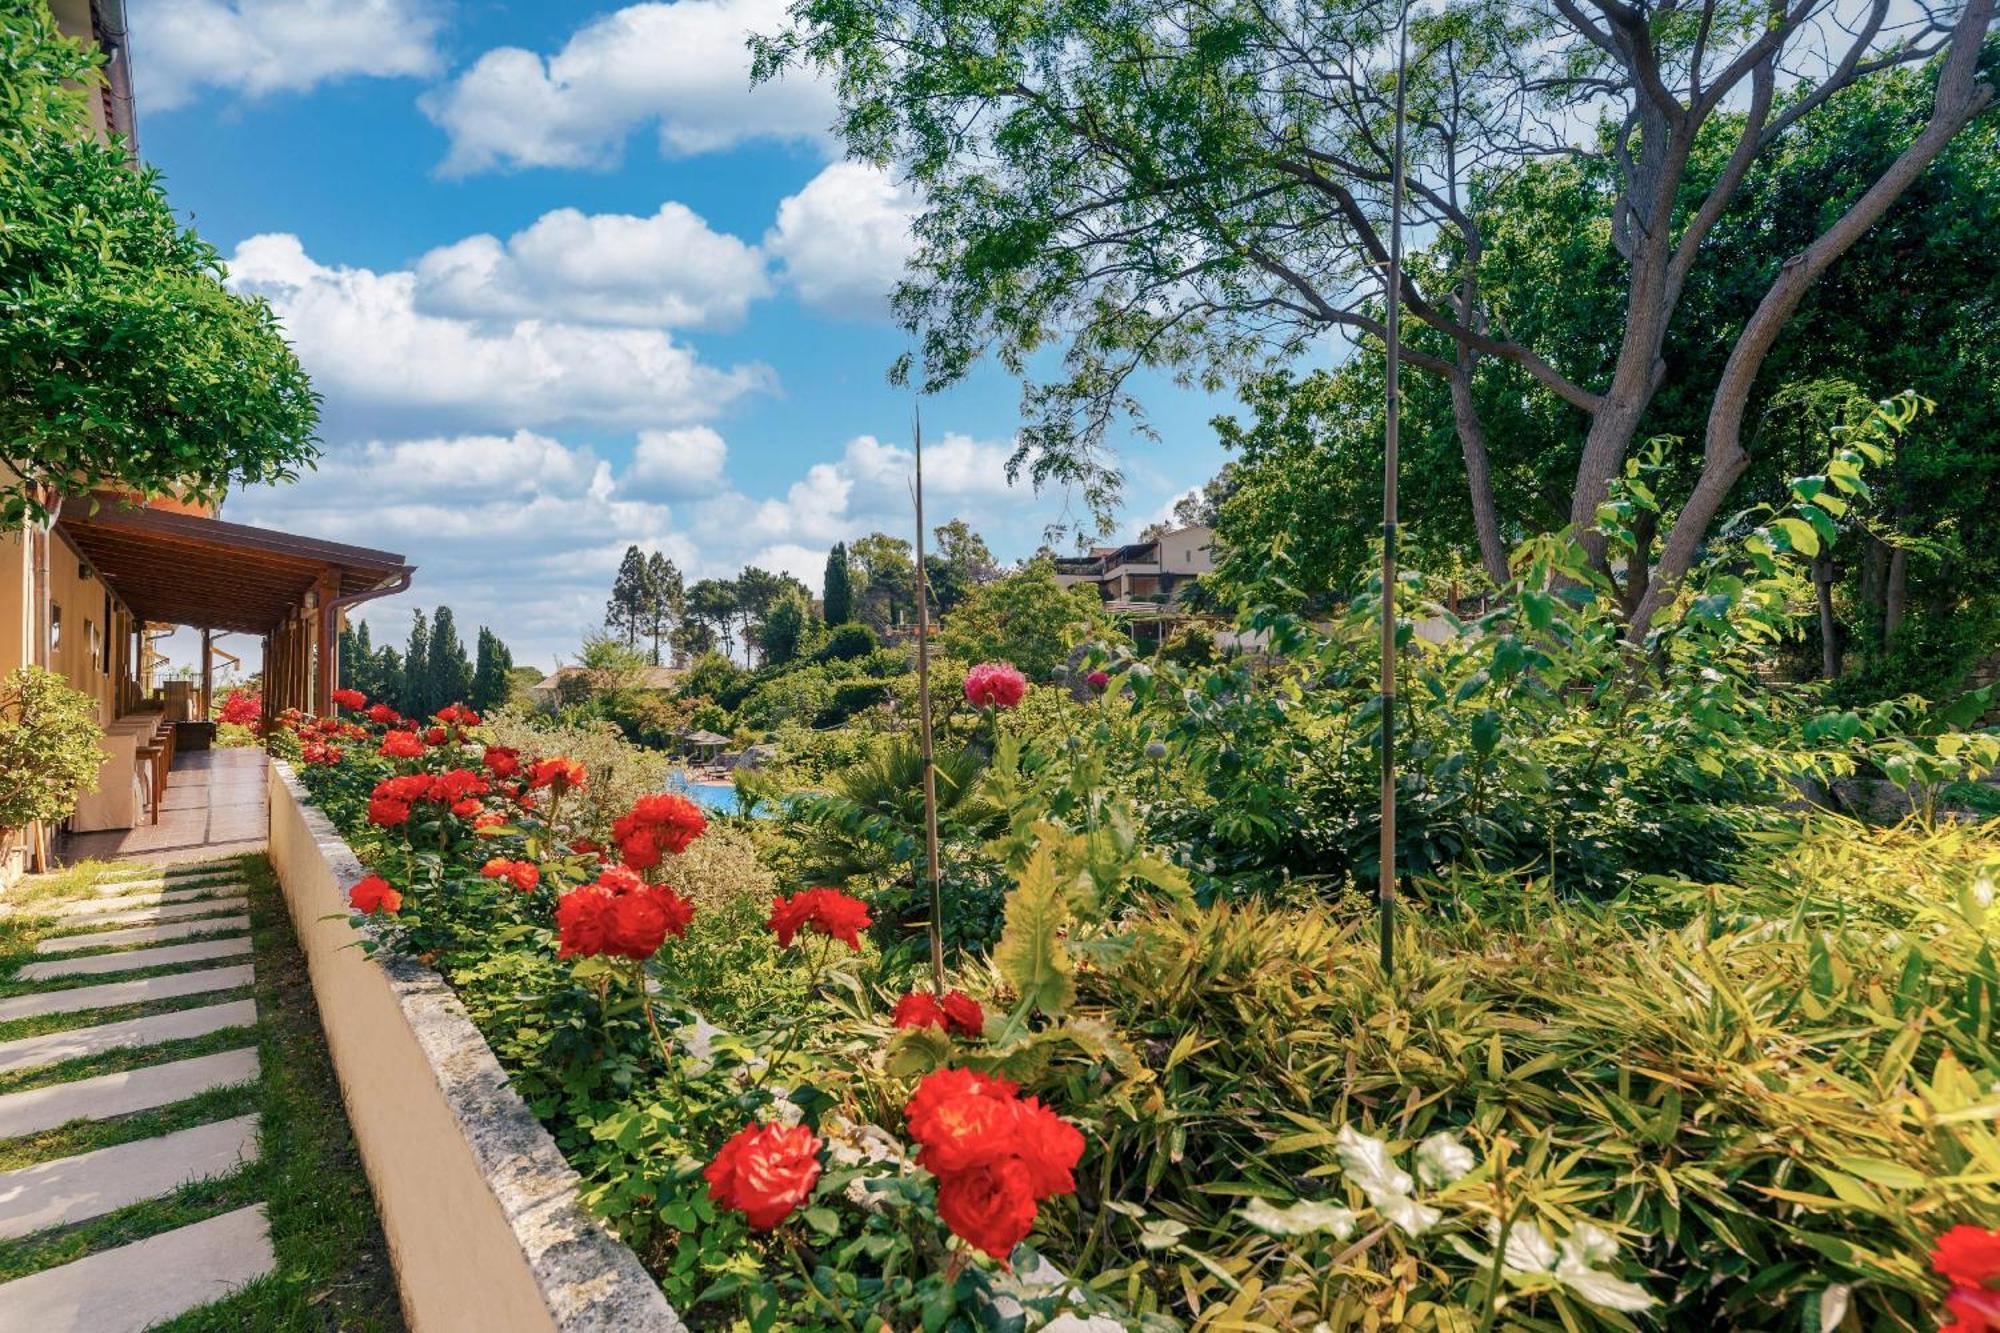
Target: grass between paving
[(333, 1266)]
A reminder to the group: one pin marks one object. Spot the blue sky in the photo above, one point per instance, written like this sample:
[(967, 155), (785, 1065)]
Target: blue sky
[(567, 284)]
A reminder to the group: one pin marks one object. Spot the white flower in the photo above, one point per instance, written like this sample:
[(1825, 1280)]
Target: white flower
[(1589, 1245), (1299, 1219), (1528, 1249), (1412, 1217), (1367, 1164), (1982, 891), (1442, 1159), (1574, 1263)]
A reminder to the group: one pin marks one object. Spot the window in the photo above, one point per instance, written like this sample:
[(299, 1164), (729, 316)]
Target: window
[(55, 626)]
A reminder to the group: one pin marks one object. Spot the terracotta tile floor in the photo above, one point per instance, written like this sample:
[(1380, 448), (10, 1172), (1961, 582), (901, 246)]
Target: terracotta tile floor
[(213, 806)]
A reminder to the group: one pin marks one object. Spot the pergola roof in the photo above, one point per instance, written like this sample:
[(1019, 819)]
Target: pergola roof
[(185, 570)]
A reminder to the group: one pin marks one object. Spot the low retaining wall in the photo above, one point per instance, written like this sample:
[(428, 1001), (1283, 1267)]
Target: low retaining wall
[(478, 1204)]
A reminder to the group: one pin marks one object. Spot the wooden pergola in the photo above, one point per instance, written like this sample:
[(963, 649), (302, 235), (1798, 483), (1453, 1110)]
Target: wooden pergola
[(184, 569)]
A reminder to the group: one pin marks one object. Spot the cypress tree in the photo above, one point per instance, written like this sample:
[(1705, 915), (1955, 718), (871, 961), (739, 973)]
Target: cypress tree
[(837, 596), (490, 680), (449, 671), (412, 687), (624, 614), (666, 595)]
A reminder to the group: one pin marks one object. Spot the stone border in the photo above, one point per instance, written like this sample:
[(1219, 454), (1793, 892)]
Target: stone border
[(479, 1205)]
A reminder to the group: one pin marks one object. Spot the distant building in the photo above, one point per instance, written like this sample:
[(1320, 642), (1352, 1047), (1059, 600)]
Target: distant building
[(1144, 583), (550, 687)]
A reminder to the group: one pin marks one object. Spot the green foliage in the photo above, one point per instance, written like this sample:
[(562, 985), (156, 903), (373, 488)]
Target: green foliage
[(845, 642), (1026, 618), (491, 683), (785, 628), (837, 589), (124, 361), (49, 750)]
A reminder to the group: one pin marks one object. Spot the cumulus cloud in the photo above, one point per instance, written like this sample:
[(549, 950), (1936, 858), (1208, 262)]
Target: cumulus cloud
[(666, 270), (682, 67), (674, 464), (377, 356), (842, 241), (260, 47)]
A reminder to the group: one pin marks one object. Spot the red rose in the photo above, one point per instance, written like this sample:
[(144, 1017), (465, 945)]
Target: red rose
[(502, 762), (467, 808), (638, 926), (962, 1014), (383, 714), (1050, 1146), (585, 847), (352, 699), (824, 911), (559, 775), (995, 685), (639, 848), (387, 811), (457, 715), (436, 736), (523, 875), (991, 1207), (619, 879), (764, 1172), (491, 819), (1968, 1256), (961, 1119), (583, 922), (401, 745), (918, 1010), (375, 894)]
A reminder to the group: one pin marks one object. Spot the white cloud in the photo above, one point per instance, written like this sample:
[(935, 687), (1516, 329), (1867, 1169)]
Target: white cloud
[(844, 238), (669, 269), (378, 357), (260, 47), (683, 67), (674, 464)]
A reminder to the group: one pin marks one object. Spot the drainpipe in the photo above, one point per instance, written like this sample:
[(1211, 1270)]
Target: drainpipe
[(330, 609), (114, 35)]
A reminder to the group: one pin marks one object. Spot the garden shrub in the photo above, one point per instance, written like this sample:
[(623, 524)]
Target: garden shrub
[(851, 698), (50, 748), (846, 642), (620, 773)]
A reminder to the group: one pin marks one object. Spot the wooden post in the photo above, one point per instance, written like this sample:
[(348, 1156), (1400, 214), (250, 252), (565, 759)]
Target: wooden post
[(931, 868), (207, 673), (1386, 885), (326, 645)]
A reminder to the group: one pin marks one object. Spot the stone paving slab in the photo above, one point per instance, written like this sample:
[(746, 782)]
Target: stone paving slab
[(113, 994), (116, 911), (108, 1095), (182, 884), (173, 930), (136, 1286), (75, 1189), (170, 955), (52, 1048), (153, 897)]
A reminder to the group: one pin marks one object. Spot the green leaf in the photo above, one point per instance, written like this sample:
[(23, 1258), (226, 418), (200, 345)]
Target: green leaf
[(1799, 534), (1031, 954)]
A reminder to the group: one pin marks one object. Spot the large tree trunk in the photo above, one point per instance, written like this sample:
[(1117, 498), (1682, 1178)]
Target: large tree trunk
[(1478, 476), (1895, 595), (1960, 97)]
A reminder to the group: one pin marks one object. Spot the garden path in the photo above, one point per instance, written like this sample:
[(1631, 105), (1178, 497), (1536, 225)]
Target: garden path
[(78, 1152)]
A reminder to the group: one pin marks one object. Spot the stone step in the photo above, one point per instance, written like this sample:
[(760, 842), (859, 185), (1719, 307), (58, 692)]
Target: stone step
[(178, 870), (108, 1095), (75, 1189), (112, 994), (52, 1048), (106, 911), (142, 887), (173, 930), (169, 955), (148, 1282), (85, 907)]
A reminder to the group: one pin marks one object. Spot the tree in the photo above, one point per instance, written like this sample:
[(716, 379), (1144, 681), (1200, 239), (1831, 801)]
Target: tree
[(389, 679), (1026, 618), (447, 670), (961, 562), (785, 627), (886, 577), (357, 659), (124, 361), (837, 589), (665, 601), (1204, 190), (625, 613), (413, 698), (49, 748), (492, 677), (1200, 507), (715, 602)]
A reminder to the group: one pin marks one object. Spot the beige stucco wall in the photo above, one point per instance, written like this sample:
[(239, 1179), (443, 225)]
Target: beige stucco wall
[(458, 1262)]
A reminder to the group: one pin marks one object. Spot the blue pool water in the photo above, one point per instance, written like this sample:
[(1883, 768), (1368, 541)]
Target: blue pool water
[(717, 796)]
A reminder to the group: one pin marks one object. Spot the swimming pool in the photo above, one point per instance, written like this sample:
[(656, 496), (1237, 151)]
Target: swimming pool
[(717, 796)]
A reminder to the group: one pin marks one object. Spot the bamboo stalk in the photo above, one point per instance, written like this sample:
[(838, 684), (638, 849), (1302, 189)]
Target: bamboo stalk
[(924, 723), (1392, 427)]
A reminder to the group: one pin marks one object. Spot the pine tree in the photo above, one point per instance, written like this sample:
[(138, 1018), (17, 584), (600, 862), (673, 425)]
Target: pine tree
[(624, 614), (666, 597), (490, 679), (448, 671), (784, 627), (385, 675), (837, 594), (412, 694)]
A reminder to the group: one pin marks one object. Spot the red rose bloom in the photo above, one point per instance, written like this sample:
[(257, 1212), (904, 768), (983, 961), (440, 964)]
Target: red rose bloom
[(585, 847), (764, 1172), (957, 1013), (457, 715), (523, 875), (1973, 1310), (502, 762), (991, 1208), (383, 714), (824, 911), (994, 685), (1968, 1256), (560, 775), (1098, 681), (657, 824), (436, 736), (962, 1014), (352, 699), (638, 926), (491, 819), (401, 745), (387, 812), (467, 808), (583, 922), (918, 1010), (375, 894), (620, 915)]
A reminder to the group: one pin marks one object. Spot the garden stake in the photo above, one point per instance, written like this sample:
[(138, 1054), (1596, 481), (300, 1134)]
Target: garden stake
[(1386, 893), (924, 720)]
